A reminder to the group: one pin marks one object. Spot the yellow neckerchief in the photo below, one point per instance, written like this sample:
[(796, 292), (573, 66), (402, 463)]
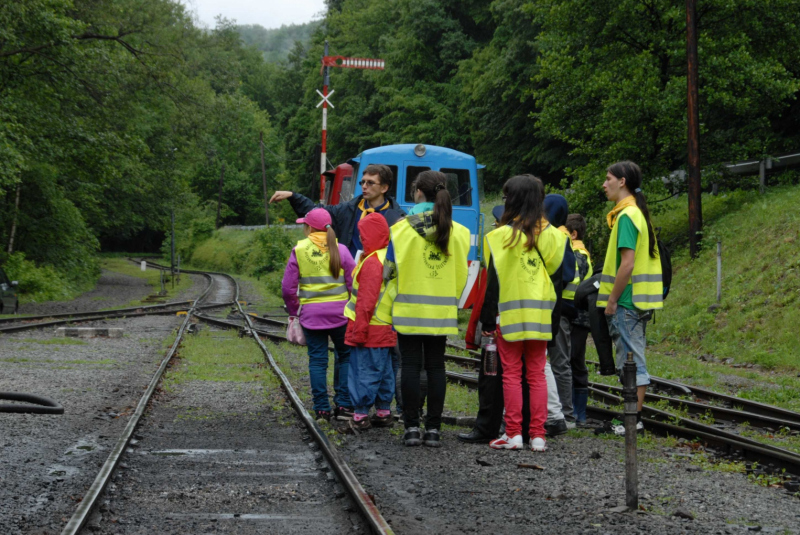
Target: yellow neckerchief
[(320, 239), (368, 210), (563, 229), (578, 244), (611, 217)]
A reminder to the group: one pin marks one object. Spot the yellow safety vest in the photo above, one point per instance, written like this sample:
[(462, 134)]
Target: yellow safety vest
[(527, 295), (317, 285), (646, 277), (429, 283), (350, 309)]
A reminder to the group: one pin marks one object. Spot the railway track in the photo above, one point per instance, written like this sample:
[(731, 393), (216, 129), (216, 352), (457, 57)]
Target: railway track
[(728, 412), (720, 435), (223, 291)]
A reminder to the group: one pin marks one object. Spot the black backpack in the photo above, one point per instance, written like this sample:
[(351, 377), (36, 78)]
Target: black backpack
[(666, 266)]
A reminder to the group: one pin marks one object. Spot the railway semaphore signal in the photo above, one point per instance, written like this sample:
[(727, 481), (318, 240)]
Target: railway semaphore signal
[(345, 63)]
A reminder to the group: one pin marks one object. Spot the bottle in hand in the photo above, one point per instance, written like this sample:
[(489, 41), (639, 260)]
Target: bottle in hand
[(490, 355)]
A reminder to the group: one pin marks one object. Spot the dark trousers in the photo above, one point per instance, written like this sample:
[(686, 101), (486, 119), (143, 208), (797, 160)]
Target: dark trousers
[(417, 351), (601, 337), (580, 374), (491, 403)]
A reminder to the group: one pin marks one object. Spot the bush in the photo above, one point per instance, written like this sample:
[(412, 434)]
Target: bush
[(273, 248), (41, 283)]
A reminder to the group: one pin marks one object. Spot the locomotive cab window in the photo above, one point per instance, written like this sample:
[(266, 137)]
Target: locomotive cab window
[(458, 184), (411, 175)]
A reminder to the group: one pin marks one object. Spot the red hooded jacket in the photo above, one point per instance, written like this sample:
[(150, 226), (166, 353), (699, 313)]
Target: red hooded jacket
[(374, 232)]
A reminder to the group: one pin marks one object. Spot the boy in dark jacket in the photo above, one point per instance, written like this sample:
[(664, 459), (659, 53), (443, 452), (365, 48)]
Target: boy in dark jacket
[(371, 377)]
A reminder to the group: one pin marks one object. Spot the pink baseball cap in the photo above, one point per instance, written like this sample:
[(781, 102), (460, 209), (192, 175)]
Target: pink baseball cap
[(317, 218)]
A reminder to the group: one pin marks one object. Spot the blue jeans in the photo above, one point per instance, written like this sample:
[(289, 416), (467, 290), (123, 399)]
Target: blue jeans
[(627, 329), (371, 378), (317, 340)]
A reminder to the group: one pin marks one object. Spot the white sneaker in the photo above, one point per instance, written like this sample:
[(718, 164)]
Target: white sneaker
[(619, 430), (538, 444), (506, 443)]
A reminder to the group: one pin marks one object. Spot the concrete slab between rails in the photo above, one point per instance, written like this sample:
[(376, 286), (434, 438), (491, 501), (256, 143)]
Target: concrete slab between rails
[(88, 332)]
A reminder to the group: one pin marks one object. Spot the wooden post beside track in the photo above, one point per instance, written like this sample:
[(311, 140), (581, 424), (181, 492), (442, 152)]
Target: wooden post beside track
[(631, 466)]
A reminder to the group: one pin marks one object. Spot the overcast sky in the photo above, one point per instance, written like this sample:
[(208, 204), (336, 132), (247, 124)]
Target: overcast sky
[(267, 13)]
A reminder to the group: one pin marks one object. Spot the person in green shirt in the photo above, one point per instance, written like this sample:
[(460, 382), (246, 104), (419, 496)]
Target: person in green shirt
[(627, 323)]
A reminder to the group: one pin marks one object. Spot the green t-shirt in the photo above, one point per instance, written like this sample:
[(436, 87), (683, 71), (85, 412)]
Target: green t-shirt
[(627, 234)]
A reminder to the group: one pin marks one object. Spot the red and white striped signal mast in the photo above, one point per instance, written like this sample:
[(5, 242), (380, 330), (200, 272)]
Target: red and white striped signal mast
[(327, 63)]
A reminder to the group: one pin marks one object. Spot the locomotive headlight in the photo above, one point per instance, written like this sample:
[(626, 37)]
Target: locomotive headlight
[(419, 150)]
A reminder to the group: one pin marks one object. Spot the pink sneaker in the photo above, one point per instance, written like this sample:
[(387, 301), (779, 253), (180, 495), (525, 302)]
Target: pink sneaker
[(506, 443)]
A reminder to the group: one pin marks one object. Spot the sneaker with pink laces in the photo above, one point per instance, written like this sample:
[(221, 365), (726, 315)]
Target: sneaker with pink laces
[(538, 444), (506, 443)]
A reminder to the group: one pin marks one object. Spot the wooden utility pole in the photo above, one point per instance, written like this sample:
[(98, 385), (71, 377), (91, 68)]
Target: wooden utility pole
[(264, 176), (693, 146), (219, 198), (14, 221)]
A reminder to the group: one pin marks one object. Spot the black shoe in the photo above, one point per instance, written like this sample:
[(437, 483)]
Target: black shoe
[(474, 437), (343, 413), (412, 437), (323, 415), (559, 427), (431, 438), (382, 421)]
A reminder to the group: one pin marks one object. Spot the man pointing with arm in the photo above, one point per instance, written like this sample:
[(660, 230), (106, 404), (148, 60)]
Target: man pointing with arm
[(375, 183)]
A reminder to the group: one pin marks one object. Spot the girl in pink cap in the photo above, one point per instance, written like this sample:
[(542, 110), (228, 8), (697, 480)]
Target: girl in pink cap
[(317, 285)]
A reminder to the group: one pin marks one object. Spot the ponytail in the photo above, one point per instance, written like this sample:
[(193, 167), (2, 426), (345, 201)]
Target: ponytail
[(641, 202), (633, 181), (335, 261), (433, 185)]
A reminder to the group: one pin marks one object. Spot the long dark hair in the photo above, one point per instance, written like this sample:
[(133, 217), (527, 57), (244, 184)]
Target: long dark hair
[(335, 261), (524, 209), (433, 185), (633, 181)]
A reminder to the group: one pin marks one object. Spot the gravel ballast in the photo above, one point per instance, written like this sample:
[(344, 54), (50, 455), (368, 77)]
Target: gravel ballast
[(48, 461)]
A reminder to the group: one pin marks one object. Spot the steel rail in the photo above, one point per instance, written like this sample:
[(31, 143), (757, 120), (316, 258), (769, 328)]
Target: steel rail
[(17, 319), (754, 407), (783, 455), (666, 384), (756, 450), (719, 413), (749, 451), (90, 499)]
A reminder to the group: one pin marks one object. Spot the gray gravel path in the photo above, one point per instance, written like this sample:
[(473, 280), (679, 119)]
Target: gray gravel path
[(112, 290), (450, 490), (49, 461)]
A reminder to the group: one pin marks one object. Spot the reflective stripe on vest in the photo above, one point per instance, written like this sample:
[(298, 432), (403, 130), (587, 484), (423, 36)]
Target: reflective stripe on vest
[(317, 285), (350, 308), (648, 288), (527, 295), (427, 297)]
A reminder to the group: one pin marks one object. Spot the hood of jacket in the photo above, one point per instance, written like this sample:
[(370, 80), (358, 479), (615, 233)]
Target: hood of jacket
[(556, 209), (423, 224), (374, 233)]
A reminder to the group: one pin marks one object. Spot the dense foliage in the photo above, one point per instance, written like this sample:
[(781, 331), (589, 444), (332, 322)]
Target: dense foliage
[(115, 113), (112, 114)]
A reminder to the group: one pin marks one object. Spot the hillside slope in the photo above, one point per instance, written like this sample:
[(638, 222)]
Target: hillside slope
[(759, 314)]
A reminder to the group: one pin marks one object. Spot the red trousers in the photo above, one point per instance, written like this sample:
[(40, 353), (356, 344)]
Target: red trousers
[(511, 356)]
